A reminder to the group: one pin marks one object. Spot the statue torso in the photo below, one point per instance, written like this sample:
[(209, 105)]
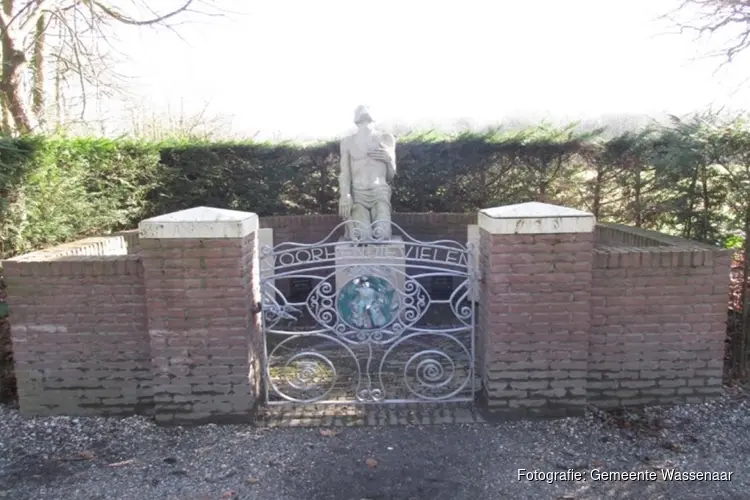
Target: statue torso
[(367, 173)]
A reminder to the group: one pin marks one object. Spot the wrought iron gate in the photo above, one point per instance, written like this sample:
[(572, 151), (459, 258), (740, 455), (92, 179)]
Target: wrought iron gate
[(371, 325)]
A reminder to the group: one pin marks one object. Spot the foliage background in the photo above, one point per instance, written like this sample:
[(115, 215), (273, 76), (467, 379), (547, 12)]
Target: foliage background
[(686, 178)]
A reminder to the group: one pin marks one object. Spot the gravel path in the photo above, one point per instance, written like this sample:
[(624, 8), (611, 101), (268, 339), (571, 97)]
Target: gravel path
[(97, 458)]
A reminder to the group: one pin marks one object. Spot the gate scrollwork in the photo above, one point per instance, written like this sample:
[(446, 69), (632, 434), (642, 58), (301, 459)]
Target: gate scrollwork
[(370, 328)]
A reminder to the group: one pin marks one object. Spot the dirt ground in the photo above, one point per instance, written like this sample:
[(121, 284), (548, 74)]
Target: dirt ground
[(100, 458)]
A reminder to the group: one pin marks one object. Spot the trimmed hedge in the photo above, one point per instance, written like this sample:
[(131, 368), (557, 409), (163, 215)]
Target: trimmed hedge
[(436, 173), (57, 189)]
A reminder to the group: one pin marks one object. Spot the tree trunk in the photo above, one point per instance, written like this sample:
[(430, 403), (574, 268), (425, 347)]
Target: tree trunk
[(10, 85), (637, 198), (38, 70), (741, 343), (13, 61), (59, 97), (484, 191), (597, 205), (687, 232), (706, 206), (7, 128), (542, 194)]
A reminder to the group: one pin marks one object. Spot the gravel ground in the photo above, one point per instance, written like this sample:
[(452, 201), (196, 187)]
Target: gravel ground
[(100, 458)]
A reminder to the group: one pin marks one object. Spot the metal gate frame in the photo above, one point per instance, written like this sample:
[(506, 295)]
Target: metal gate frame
[(384, 316)]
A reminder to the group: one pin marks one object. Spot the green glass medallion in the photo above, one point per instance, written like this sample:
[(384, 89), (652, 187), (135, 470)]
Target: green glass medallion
[(367, 303)]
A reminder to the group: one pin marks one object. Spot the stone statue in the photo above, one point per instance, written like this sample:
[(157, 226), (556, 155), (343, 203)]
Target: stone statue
[(368, 165)]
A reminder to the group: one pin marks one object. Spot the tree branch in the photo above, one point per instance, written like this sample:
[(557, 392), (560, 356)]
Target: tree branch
[(713, 17), (111, 12)]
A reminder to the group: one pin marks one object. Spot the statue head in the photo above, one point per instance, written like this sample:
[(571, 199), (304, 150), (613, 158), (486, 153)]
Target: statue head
[(362, 116)]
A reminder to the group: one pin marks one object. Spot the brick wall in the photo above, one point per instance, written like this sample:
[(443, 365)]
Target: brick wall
[(204, 336), (620, 235), (658, 319), (78, 328), (534, 307), (574, 312), (120, 325)]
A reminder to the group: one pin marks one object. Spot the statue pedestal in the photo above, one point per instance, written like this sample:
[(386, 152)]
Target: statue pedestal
[(387, 260)]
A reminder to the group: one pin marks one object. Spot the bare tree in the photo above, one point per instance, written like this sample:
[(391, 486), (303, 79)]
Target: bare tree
[(68, 44), (200, 125), (707, 19)]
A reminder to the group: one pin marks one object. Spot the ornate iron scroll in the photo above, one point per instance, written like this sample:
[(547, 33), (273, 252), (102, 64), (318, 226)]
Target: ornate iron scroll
[(369, 329)]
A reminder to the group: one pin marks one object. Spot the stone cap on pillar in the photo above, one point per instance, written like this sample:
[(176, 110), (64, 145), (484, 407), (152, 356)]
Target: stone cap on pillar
[(199, 222), (535, 218)]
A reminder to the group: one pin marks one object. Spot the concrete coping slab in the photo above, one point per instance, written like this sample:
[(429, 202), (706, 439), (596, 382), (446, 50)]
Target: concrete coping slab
[(199, 222), (535, 218)]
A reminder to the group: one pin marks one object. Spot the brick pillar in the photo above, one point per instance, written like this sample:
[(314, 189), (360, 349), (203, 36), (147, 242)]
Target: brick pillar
[(201, 277), (534, 309)]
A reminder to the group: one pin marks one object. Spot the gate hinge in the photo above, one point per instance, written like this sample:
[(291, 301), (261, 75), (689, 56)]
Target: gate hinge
[(256, 308)]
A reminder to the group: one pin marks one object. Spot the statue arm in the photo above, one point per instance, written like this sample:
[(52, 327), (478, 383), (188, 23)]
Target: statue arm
[(390, 147)]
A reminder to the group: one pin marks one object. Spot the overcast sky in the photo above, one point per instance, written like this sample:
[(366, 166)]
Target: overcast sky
[(294, 68)]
